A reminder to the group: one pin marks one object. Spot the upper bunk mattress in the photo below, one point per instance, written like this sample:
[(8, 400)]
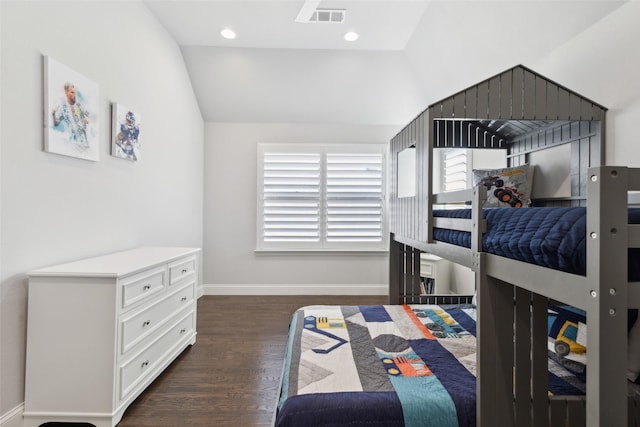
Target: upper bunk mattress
[(549, 237)]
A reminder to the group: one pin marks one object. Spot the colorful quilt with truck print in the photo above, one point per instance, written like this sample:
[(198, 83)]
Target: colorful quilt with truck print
[(392, 365)]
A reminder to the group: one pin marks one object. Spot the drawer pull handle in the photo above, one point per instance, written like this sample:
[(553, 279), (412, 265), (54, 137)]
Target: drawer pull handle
[(183, 330), (145, 364), (183, 299), (184, 270), (146, 323), (146, 287)]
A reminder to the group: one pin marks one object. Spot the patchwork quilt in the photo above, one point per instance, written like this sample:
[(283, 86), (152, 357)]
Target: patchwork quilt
[(392, 365)]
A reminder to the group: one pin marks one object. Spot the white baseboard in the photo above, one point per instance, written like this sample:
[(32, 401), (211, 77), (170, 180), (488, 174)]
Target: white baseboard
[(13, 418), (262, 289)]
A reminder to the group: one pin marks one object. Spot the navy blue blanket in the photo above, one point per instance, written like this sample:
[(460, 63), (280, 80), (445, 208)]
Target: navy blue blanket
[(549, 237)]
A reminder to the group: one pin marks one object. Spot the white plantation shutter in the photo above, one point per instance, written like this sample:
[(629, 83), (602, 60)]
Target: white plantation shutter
[(354, 198), (291, 189), (313, 197), (455, 169)]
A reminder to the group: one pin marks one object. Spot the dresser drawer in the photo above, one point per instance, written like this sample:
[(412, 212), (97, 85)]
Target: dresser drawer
[(137, 369), (426, 269), (181, 269), (142, 286), (137, 326)]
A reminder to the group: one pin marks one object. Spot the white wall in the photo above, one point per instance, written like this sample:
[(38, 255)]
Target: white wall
[(289, 95), (602, 64), (304, 86), (55, 208), (231, 264), (459, 43)]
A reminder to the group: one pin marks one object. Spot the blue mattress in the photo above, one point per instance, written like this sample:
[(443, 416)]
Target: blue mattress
[(549, 237)]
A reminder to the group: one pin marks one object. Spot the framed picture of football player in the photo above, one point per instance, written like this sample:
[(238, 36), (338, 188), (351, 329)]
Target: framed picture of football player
[(126, 133), (70, 112)]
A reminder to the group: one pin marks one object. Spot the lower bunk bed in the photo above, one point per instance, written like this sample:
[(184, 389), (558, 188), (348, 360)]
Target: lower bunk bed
[(396, 365), (392, 365)]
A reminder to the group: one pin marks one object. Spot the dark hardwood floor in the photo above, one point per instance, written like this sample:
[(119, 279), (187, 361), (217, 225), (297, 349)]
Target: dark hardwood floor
[(230, 377)]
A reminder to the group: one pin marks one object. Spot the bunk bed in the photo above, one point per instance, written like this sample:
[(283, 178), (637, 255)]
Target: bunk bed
[(523, 112)]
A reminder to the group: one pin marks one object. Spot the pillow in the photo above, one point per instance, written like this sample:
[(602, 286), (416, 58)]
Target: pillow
[(507, 187)]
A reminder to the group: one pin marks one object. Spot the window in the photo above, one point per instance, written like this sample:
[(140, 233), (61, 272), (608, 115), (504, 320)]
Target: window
[(321, 197), (455, 168)]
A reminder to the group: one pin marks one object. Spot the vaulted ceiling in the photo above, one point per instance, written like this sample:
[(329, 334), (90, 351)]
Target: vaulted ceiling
[(409, 53)]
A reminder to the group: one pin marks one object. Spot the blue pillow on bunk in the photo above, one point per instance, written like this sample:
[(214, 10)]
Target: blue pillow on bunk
[(507, 187)]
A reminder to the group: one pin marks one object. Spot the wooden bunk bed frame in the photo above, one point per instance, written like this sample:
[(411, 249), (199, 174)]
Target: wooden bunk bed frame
[(523, 112)]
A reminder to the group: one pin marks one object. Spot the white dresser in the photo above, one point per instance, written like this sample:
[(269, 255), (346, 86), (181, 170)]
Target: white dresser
[(100, 330), (435, 269)]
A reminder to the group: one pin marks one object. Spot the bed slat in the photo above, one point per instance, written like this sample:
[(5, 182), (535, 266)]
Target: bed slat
[(632, 412), (494, 98), (459, 196), (495, 352), (576, 411), (529, 95), (557, 413), (471, 105), (517, 88), (459, 102), (451, 252), (461, 224), (523, 354), (541, 99), (506, 82), (574, 107), (552, 101), (395, 251), (539, 368)]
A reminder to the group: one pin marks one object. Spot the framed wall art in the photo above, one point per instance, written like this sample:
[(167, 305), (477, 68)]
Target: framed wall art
[(71, 112), (126, 133)]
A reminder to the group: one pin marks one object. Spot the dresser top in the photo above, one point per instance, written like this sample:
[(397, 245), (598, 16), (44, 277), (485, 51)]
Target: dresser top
[(116, 264)]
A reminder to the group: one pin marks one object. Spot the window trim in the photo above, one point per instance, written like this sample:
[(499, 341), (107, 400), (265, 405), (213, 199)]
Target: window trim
[(323, 246)]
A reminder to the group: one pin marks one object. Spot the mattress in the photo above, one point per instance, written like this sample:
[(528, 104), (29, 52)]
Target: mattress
[(391, 365), (549, 237)]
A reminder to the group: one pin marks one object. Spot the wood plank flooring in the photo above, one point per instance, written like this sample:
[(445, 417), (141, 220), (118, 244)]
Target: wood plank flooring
[(230, 377)]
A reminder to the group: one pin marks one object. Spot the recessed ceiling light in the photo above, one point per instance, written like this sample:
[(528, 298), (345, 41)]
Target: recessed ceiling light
[(351, 36), (228, 33)]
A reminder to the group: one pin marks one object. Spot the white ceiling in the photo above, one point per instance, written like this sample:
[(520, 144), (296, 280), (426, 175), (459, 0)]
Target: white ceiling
[(410, 53), (381, 24)]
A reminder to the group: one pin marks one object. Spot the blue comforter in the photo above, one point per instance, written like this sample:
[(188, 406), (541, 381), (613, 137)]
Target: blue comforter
[(549, 237)]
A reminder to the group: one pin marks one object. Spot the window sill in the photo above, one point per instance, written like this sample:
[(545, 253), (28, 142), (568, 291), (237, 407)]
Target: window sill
[(321, 251)]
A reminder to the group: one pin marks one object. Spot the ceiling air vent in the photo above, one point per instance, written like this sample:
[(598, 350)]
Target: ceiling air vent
[(310, 13), (328, 16)]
